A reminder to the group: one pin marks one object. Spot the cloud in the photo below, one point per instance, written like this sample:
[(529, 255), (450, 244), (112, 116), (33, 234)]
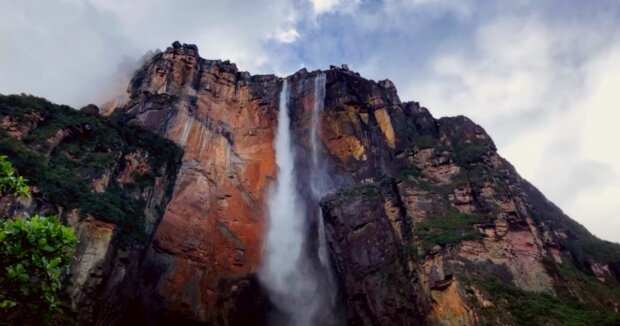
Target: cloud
[(539, 76), (330, 6), (65, 50), (287, 36), (545, 91)]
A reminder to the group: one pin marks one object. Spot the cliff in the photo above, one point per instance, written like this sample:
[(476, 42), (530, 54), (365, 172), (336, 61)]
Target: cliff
[(425, 223), (109, 180)]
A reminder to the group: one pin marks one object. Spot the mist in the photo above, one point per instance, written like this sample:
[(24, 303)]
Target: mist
[(296, 269)]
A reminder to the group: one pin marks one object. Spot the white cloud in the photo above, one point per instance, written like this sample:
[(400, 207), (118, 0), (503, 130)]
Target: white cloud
[(599, 210), (602, 111), (287, 36), (541, 77), (462, 8), (321, 6), (549, 98), (67, 50), (330, 6)]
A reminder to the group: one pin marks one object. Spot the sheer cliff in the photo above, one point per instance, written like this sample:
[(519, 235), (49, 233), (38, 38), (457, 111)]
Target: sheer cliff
[(109, 180), (423, 221)]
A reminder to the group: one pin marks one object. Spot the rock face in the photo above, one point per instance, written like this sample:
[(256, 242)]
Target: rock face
[(207, 248), (108, 180), (427, 224), (439, 229)]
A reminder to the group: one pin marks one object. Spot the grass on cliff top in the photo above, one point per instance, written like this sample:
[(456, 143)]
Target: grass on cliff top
[(94, 146), (450, 229)]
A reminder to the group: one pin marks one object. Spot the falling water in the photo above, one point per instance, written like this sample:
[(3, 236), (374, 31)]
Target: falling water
[(298, 285), (320, 186), (318, 177), (318, 181), (291, 288)]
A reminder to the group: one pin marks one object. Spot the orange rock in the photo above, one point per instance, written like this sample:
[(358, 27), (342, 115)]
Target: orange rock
[(214, 224)]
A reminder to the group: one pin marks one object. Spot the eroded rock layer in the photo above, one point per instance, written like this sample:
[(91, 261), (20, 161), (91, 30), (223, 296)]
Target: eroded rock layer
[(426, 223), (207, 249)]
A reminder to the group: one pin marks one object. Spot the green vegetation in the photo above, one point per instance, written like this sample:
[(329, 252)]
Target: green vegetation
[(532, 308), (584, 247), (10, 181), (468, 153), (413, 176), (587, 248), (588, 289), (34, 254), (446, 230), (579, 299), (90, 146)]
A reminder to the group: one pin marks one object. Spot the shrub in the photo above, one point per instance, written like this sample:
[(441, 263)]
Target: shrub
[(468, 153), (34, 254), (10, 181), (533, 308), (450, 229)]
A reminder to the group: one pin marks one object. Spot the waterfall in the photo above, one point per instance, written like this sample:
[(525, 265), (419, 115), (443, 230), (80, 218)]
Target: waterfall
[(318, 181), (297, 277), (291, 286), (320, 185)]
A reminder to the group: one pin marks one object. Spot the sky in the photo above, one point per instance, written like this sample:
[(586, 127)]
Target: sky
[(540, 76)]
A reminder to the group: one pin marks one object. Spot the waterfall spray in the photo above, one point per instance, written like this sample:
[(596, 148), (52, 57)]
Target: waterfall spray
[(291, 287), (299, 285)]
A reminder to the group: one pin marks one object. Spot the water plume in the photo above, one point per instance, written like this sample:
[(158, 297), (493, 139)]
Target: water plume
[(296, 269)]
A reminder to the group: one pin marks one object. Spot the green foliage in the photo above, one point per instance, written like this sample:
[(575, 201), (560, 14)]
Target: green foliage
[(450, 229), (589, 248), (532, 308), (9, 181), (468, 153), (584, 247), (414, 177), (34, 254), (586, 288), (91, 146), (12, 105)]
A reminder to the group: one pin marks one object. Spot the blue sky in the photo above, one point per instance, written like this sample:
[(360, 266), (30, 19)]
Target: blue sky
[(540, 76)]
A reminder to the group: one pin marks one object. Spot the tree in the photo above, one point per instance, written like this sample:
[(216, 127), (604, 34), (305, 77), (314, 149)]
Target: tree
[(35, 253), (9, 181)]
